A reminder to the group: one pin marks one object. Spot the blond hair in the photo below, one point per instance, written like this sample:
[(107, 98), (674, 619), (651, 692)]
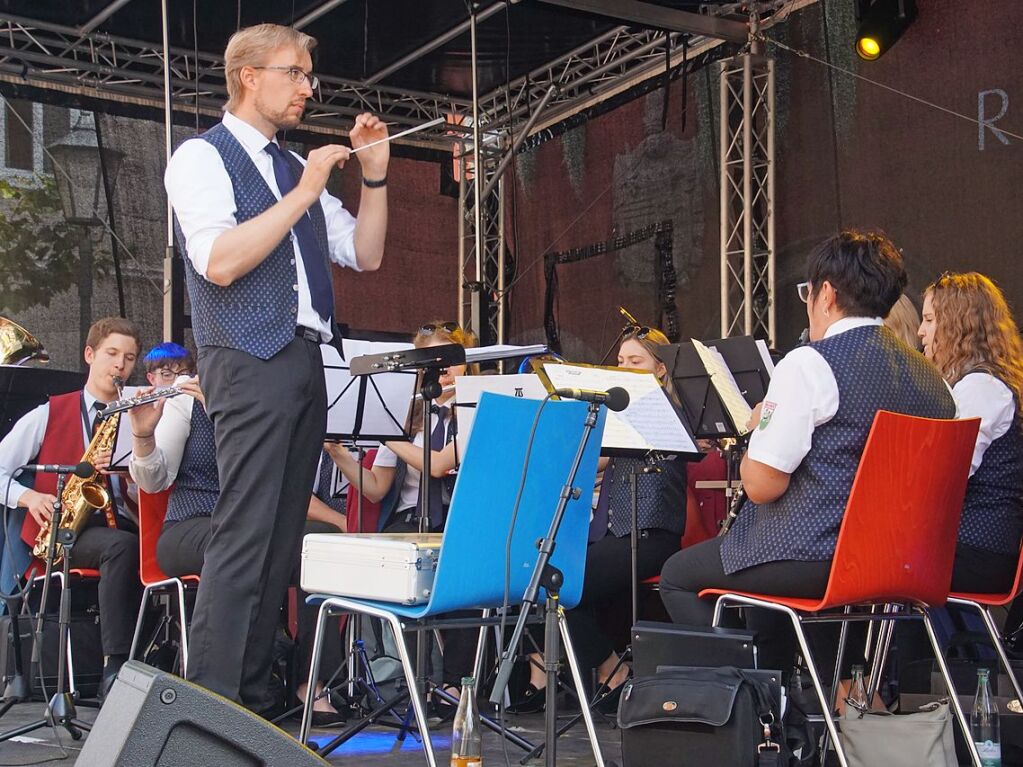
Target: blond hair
[(251, 46), (462, 336), (904, 321), (974, 331)]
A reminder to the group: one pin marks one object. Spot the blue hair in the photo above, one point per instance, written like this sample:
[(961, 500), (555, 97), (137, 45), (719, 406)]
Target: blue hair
[(163, 353)]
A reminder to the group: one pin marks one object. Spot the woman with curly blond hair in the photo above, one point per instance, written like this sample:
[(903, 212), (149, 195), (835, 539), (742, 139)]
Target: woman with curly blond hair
[(968, 332)]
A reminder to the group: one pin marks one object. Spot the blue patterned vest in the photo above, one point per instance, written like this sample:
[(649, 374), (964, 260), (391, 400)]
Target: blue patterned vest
[(197, 485), (993, 510), (874, 371), (660, 497), (256, 313)]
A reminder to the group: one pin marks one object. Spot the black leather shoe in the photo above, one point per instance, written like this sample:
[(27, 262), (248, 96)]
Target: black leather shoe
[(608, 702), (328, 719), (533, 701)]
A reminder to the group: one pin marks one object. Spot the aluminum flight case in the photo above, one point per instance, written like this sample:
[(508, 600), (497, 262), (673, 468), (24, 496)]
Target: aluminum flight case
[(389, 567)]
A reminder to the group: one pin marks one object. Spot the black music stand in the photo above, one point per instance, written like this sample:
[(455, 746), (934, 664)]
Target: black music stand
[(706, 410), (744, 359), (653, 452)]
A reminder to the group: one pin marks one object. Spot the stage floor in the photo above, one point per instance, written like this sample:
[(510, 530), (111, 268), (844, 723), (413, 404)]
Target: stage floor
[(375, 746)]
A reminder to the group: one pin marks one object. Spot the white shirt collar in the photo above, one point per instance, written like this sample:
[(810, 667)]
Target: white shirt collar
[(90, 401), (848, 323), (247, 135)]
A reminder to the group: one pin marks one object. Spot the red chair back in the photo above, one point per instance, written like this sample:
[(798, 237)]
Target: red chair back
[(370, 510), (898, 536), (152, 510), (705, 509)]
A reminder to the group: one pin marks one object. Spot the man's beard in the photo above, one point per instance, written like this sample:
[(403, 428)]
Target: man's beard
[(282, 119)]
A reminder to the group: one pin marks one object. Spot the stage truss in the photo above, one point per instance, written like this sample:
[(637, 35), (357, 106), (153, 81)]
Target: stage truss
[(86, 62), (747, 196)]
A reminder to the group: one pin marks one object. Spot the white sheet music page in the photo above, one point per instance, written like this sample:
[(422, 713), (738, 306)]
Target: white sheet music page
[(724, 383), (648, 423), (468, 390), (387, 399)]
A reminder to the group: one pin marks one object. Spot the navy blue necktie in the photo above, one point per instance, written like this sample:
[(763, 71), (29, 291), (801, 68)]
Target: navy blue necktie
[(316, 270)]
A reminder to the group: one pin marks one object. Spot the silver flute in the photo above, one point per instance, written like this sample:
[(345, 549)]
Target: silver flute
[(128, 403)]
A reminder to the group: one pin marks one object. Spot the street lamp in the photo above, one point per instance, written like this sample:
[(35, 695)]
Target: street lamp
[(79, 168)]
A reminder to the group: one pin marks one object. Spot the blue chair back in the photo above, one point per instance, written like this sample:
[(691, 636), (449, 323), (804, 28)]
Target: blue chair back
[(471, 568)]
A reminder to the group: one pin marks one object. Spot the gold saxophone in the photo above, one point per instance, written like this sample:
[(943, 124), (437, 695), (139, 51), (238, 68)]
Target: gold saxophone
[(82, 497)]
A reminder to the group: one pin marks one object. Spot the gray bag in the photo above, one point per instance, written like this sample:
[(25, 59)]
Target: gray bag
[(922, 739)]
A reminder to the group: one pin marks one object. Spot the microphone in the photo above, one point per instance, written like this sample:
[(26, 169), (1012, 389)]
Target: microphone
[(629, 318), (83, 470), (616, 398), (444, 390)]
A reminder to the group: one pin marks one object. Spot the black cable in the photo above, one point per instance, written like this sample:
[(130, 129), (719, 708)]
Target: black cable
[(508, 543)]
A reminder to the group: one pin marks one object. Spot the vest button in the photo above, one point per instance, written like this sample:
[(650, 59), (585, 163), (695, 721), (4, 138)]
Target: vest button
[(294, 287)]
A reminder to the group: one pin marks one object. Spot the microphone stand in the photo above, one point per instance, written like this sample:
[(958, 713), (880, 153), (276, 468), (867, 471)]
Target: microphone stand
[(551, 578), (60, 709)]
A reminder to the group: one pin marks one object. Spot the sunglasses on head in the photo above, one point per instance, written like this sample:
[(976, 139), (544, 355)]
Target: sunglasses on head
[(637, 331), (432, 327)]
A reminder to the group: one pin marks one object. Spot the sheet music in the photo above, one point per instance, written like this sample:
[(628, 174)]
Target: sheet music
[(468, 390), (724, 383), (502, 352), (648, 423), (765, 355), (387, 397)]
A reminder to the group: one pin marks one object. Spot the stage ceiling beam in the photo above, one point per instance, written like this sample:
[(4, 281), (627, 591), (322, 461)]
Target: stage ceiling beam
[(658, 17)]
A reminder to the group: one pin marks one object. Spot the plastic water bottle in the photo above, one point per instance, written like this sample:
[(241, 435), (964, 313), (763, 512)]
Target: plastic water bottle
[(984, 723), (858, 690), (467, 738)]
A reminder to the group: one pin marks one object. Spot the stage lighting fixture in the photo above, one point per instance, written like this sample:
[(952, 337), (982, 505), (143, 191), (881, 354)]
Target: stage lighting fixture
[(882, 23)]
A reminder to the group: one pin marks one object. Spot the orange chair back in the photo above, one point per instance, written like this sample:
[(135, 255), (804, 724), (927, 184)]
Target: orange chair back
[(898, 536), (152, 510), (370, 510)]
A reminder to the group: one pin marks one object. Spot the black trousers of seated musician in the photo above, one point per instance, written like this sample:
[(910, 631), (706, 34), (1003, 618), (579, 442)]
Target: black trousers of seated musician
[(699, 567), (181, 550), (269, 418), (115, 553), (607, 584)]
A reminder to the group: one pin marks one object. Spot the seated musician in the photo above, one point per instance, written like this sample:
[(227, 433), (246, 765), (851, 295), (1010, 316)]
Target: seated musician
[(393, 480), (808, 435), (607, 581), (58, 432), (173, 444), (968, 332)]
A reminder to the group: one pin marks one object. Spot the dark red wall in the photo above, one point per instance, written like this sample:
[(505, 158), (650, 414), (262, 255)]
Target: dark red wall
[(849, 153)]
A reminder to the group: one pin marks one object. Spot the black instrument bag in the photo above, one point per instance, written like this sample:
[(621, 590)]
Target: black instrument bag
[(702, 716)]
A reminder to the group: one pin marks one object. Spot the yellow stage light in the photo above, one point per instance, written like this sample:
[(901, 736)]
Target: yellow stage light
[(868, 48)]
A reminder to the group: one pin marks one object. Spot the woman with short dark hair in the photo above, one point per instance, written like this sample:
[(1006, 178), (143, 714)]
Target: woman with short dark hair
[(807, 437)]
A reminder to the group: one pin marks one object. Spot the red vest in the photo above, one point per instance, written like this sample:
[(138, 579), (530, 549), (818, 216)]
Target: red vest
[(62, 443)]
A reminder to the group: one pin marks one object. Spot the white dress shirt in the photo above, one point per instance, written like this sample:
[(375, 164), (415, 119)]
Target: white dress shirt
[(201, 193), (387, 458), (22, 443), (157, 471), (802, 395), (981, 395)]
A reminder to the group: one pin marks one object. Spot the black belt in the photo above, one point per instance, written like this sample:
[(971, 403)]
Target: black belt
[(308, 334)]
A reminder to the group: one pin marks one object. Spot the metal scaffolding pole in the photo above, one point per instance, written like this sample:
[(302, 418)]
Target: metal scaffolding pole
[(747, 196)]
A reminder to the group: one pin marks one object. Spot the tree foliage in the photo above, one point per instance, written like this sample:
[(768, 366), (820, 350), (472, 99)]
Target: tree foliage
[(38, 248)]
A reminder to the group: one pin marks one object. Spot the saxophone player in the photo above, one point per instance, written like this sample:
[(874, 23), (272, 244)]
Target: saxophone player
[(58, 432)]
